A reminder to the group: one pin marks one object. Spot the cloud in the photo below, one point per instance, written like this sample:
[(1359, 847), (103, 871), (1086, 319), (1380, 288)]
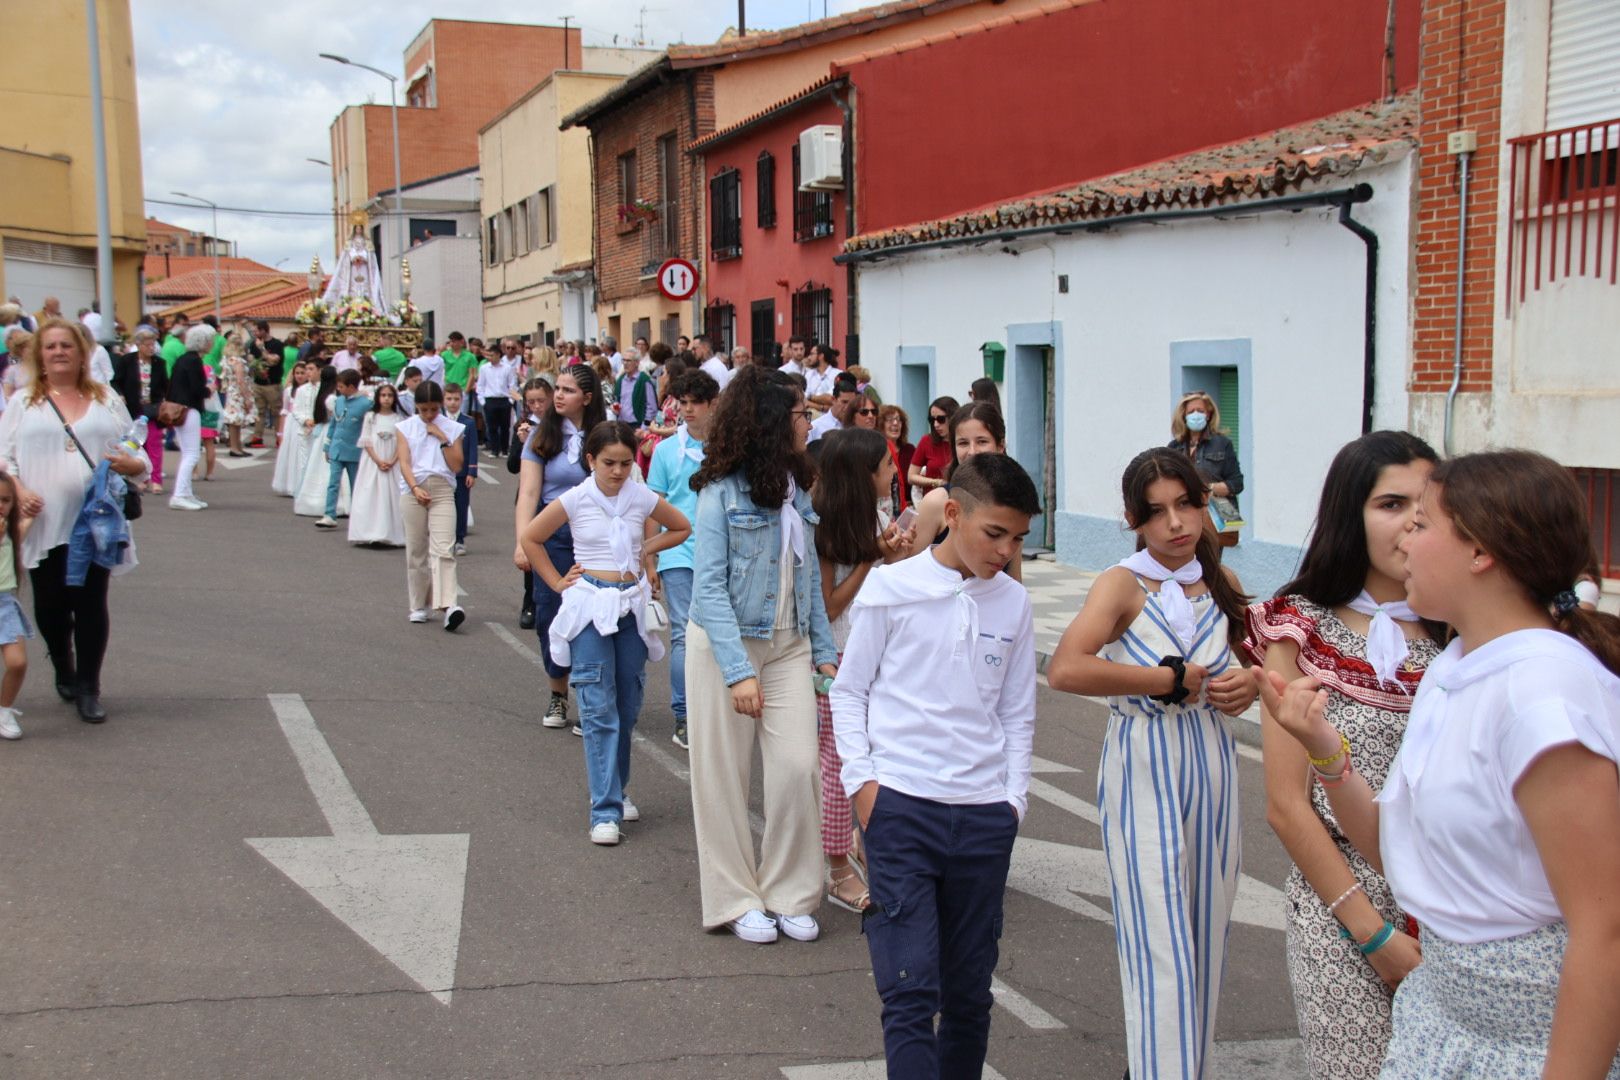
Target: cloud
[(234, 97)]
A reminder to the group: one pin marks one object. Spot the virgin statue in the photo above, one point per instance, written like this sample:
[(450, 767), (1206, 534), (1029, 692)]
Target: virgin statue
[(356, 274)]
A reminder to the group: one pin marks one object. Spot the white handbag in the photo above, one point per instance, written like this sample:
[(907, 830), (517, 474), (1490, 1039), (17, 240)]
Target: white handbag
[(657, 617)]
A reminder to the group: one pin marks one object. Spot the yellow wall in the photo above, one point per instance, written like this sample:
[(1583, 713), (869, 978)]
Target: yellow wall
[(522, 152), (45, 98)]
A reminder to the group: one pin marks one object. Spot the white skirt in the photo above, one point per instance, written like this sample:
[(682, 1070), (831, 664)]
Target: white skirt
[(1479, 1012), (374, 512), (292, 452), (310, 498)]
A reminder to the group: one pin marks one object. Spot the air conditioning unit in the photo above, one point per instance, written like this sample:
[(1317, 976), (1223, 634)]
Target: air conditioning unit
[(821, 158)]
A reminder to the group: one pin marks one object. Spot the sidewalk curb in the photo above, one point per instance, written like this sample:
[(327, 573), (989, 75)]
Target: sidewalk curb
[(1245, 729)]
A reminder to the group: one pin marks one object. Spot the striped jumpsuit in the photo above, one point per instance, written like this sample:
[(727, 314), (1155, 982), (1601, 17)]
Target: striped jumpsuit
[(1167, 789)]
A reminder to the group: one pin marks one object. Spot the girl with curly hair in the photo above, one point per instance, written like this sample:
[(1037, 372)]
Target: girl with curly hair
[(758, 620)]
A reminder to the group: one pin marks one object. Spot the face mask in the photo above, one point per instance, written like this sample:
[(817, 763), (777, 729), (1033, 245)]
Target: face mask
[(1197, 421)]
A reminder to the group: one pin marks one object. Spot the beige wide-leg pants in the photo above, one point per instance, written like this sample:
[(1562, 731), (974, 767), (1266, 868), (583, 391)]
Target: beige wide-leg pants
[(430, 533), (786, 879)]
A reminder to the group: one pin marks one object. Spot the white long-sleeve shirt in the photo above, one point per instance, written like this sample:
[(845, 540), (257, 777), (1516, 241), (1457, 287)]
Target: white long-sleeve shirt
[(935, 696)]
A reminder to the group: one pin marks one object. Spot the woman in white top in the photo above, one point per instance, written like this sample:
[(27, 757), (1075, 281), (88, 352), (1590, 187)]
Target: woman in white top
[(297, 424), (374, 513), (52, 476), (1499, 825), (309, 498), (600, 632), (429, 446), (854, 473)]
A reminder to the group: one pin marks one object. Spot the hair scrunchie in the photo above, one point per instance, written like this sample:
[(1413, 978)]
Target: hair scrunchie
[(1565, 602)]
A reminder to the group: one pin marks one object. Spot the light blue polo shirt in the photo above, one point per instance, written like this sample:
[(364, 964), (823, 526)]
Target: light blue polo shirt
[(670, 475)]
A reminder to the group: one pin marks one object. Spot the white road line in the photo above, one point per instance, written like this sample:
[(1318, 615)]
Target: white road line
[(1033, 1016), (488, 479), (1061, 799)]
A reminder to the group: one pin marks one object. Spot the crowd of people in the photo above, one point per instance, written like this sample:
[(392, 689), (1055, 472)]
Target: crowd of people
[(1441, 706)]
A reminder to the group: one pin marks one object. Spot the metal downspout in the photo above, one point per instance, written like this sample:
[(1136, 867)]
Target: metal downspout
[(1369, 327), (851, 317), (1457, 329)]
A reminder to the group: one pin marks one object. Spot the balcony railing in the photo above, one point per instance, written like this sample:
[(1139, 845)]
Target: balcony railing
[(1564, 186), (1602, 490), (661, 238)]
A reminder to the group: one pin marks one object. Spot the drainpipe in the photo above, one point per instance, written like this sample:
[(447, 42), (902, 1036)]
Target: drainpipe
[(1457, 329), (851, 317), (1369, 328)]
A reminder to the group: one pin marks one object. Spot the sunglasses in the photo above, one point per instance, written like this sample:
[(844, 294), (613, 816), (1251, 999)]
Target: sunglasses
[(866, 412), (936, 419)]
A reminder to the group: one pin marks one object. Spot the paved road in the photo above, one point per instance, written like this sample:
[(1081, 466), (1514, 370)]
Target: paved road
[(318, 841)]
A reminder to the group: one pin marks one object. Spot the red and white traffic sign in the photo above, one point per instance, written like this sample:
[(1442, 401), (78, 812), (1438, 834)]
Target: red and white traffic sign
[(677, 279)]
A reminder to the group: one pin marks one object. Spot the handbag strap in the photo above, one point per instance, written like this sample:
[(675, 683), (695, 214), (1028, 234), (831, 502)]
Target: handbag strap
[(67, 427)]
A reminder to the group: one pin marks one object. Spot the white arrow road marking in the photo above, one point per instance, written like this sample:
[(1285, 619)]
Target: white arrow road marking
[(1026, 1010), (402, 894), (488, 479), (855, 1070), (1043, 765)]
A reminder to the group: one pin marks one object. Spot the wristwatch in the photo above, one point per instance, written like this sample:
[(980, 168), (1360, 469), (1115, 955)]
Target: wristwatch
[(1179, 692)]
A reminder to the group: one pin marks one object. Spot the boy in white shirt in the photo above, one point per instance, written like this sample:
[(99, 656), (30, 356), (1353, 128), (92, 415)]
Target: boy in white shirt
[(936, 757)]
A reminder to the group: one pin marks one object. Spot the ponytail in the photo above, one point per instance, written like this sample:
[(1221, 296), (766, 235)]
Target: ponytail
[(1597, 630)]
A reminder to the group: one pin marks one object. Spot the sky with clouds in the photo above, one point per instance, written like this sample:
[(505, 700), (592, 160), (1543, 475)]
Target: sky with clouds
[(234, 97)]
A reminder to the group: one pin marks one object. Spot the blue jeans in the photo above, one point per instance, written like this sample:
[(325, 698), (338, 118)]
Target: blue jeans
[(937, 875), (678, 601), (608, 677), (334, 483), (560, 548)]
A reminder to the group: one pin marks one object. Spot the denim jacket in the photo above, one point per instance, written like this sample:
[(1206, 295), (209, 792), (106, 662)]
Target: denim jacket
[(735, 571), (100, 533)]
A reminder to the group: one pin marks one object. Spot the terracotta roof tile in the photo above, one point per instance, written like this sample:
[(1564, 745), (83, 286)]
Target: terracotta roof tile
[(1255, 168), (195, 283), (786, 103), (852, 22), (159, 267)]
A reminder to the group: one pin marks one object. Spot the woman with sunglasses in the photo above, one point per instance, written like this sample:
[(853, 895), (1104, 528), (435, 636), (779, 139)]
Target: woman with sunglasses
[(932, 458), (866, 411)]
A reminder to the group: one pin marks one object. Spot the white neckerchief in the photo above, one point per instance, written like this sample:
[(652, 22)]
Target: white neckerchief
[(620, 542), (1178, 611), (1386, 645), (792, 526), (573, 441), (683, 443)]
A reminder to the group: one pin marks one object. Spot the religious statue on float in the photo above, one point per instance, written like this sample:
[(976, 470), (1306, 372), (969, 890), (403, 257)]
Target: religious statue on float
[(353, 301), (356, 276)]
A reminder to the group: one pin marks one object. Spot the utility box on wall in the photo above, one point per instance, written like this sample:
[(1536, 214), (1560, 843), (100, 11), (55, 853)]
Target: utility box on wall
[(995, 361), (821, 158)]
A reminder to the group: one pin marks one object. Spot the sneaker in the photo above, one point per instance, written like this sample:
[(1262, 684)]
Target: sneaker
[(419, 615), (459, 550), (182, 502), (577, 731), (754, 925), (10, 729), (605, 833), (632, 812), (679, 738), (454, 618), (327, 522), (557, 712), (799, 927)]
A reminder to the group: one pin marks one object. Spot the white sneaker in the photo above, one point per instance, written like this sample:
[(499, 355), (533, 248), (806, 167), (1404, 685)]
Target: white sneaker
[(754, 925), (181, 502), (632, 812), (9, 728), (605, 833), (459, 550), (419, 615), (799, 927), (326, 522), (454, 617)]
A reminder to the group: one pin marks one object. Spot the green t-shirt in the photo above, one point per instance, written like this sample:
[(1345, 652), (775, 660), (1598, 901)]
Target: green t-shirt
[(289, 357), (172, 348), (390, 360), (216, 352), (457, 366)]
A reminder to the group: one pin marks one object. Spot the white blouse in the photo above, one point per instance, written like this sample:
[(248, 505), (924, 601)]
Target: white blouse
[(427, 455), (1456, 847), (35, 450)]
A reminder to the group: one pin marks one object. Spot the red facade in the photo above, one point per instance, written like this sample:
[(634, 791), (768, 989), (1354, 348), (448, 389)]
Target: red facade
[(771, 275), (1050, 97)]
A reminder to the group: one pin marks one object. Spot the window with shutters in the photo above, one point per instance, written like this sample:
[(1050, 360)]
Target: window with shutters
[(720, 324), (1226, 400), (1602, 490), (725, 214), (762, 331), (812, 210), (765, 190), (492, 250), (812, 313), (522, 242)]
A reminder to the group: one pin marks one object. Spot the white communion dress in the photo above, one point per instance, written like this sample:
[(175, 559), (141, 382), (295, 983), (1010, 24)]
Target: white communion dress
[(374, 511)]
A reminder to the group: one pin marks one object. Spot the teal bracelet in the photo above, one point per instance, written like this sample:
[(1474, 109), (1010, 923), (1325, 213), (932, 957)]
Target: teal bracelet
[(1378, 940)]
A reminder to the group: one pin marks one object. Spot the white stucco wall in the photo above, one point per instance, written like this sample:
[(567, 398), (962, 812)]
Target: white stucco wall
[(1284, 288), (445, 280)]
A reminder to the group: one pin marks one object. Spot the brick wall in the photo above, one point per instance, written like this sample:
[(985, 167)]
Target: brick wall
[(621, 253), (1461, 80)]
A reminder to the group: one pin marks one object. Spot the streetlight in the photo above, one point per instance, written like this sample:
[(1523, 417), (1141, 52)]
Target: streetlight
[(337, 231), (393, 112), (213, 242)]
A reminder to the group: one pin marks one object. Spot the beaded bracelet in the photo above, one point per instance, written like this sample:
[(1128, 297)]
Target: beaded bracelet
[(1333, 908), (1344, 751)]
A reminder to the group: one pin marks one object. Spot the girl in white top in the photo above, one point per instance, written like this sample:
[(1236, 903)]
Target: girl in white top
[(298, 421), (855, 535), (374, 514), (601, 630), (309, 498), (15, 629), (1499, 825), (429, 447)]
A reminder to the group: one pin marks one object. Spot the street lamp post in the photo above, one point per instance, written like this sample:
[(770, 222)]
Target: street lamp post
[(213, 242), (337, 231), (393, 112)]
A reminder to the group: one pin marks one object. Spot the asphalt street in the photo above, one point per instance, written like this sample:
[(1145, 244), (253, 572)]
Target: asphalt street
[(315, 840)]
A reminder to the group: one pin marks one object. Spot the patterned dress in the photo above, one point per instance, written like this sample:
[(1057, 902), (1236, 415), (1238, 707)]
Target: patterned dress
[(1342, 1004), (1168, 791), (240, 409)]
